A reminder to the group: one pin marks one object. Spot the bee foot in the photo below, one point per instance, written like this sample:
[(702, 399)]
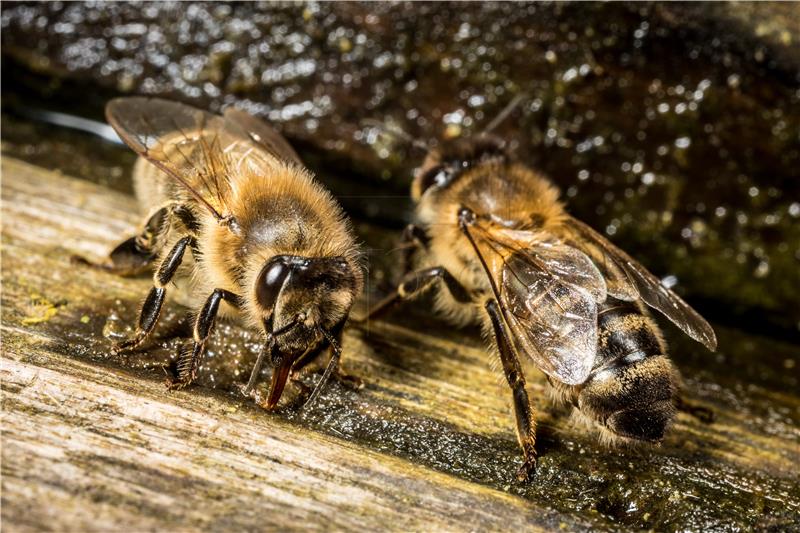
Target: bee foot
[(251, 393), (350, 381), (174, 383), (120, 347), (527, 470), (126, 345), (79, 260), (703, 414), (256, 396)]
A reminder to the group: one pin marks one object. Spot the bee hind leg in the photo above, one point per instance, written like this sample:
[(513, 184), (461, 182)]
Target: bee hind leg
[(523, 410), (151, 309), (189, 361), (135, 255)]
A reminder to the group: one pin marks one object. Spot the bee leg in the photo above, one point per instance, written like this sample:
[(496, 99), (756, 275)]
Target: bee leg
[(189, 361), (247, 390), (526, 423), (297, 367), (335, 346), (302, 362), (413, 239), (703, 414), (151, 309), (348, 380), (414, 283), (133, 256)]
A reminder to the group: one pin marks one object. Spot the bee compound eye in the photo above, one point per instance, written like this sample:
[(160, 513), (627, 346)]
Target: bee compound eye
[(438, 176), (444, 176), (270, 282)]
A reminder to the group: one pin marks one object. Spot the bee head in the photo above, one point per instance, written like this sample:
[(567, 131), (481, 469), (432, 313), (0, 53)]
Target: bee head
[(443, 165), (297, 297), (300, 301)]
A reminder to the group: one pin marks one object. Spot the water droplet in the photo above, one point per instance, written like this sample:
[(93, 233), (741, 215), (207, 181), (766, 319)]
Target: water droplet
[(570, 74), (761, 270), (476, 100), (683, 142)]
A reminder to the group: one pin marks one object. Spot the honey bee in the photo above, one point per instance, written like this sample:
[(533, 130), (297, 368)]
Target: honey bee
[(238, 223), (493, 238)]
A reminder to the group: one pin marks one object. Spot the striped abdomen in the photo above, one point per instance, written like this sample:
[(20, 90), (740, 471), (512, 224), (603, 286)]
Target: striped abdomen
[(630, 390)]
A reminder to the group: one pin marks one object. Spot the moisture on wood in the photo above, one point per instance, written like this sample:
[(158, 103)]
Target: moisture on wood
[(92, 441)]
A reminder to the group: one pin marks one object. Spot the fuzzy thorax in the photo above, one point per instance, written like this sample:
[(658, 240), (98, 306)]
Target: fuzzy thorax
[(509, 196)]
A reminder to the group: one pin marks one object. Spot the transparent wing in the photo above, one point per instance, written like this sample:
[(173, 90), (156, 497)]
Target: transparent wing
[(263, 135), (549, 294), (196, 148), (619, 283), (648, 287)]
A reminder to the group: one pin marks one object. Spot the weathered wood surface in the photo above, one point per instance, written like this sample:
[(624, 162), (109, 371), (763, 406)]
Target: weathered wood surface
[(94, 442)]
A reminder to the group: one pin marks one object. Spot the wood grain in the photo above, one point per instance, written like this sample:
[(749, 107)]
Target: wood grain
[(95, 442)]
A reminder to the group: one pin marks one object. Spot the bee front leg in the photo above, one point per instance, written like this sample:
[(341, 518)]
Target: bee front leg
[(523, 410), (334, 345), (414, 238), (133, 256), (332, 368), (151, 309), (189, 362), (414, 283)]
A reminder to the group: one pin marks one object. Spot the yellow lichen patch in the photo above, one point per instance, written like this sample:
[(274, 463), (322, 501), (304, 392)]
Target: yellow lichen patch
[(41, 310)]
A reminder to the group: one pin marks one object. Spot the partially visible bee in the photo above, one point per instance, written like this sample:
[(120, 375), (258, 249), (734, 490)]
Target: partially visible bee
[(235, 218), (545, 286)]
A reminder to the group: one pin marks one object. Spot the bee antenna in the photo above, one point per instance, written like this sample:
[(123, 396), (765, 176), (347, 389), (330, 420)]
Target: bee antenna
[(504, 114), (397, 133)]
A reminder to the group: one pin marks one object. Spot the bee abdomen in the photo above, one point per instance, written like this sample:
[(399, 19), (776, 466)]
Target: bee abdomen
[(625, 335), (630, 390)]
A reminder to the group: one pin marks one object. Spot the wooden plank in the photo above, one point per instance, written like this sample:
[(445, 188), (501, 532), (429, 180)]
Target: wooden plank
[(94, 442), (89, 449)]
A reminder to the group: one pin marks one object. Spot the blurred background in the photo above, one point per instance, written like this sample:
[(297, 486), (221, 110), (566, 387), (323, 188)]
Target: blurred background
[(673, 128)]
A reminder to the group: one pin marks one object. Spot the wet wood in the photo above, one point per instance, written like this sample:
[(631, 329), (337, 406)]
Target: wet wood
[(91, 443)]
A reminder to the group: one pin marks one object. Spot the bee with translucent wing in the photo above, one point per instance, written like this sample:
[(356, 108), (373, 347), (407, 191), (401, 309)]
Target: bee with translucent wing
[(234, 215), (501, 251)]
